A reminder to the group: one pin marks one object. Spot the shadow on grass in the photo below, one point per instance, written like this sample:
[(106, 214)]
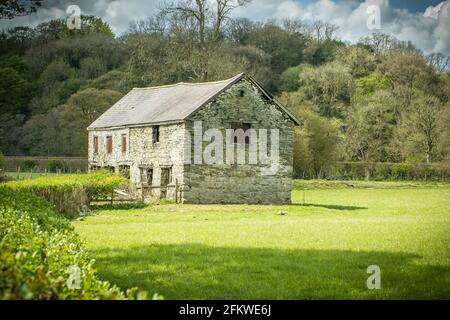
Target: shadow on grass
[(194, 271), (331, 206)]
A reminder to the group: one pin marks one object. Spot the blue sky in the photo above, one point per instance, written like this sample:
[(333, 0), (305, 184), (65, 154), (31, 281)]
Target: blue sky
[(428, 28)]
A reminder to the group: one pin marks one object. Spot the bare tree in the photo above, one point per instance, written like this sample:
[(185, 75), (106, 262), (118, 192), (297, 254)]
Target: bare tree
[(154, 24), (197, 10), (322, 30), (438, 61), (380, 42), (223, 10)]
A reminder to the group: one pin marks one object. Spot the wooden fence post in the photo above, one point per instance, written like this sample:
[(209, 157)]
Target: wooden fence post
[(176, 190), (112, 197)]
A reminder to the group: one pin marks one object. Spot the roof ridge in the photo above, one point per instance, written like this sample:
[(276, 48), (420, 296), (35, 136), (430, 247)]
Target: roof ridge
[(191, 83)]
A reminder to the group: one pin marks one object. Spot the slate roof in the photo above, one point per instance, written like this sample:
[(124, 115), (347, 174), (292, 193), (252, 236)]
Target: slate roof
[(164, 104)]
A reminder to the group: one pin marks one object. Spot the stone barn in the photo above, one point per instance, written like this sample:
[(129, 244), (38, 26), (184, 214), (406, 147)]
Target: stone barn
[(228, 141)]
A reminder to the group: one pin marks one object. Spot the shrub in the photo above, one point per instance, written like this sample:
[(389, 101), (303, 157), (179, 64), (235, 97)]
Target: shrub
[(41, 257), (402, 171), (53, 165), (69, 193), (2, 160), (28, 164)]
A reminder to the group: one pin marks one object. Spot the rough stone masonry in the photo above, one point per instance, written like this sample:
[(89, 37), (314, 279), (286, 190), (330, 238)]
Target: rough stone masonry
[(148, 135)]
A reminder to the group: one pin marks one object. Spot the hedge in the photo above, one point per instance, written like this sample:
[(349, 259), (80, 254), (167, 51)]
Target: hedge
[(69, 194), (41, 164), (41, 256), (380, 171)]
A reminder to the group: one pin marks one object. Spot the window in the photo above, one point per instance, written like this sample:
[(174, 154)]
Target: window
[(241, 93), (124, 143), (95, 145), (109, 144), (240, 136), (155, 134)]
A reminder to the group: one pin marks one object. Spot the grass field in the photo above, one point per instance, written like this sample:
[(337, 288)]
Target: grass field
[(319, 250)]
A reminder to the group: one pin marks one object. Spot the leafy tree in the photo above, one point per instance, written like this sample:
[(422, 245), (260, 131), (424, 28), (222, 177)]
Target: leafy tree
[(418, 130), (360, 61), (290, 79), (329, 87), (10, 133), (12, 8), (15, 91), (317, 143), (370, 125), (93, 102), (407, 71), (92, 67), (369, 85)]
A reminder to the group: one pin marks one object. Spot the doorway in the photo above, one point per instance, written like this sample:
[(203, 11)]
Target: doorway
[(166, 178)]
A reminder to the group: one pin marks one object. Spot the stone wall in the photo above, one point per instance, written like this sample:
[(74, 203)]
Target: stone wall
[(223, 183), (206, 183), (142, 153)]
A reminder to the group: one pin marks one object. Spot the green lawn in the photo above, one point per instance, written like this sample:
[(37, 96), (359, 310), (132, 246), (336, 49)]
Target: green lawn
[(320, 250)]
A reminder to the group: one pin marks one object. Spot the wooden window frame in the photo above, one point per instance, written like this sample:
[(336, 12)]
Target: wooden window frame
[(155, 134), (95, 144), (124, 143), (109, 144)]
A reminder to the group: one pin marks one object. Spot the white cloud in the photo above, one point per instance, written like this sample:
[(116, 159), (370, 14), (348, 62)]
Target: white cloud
[(428, 31)]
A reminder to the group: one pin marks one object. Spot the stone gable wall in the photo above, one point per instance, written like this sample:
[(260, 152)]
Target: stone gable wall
[(224, 183)]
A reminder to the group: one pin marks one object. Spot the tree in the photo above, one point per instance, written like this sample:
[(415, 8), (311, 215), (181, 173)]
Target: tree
[(439, 62), (317, 144), (329, 87), (418, 129), (379, 42), (370, 125), (407, 71), (15, 92), (443, 127), (93, 102), (368, 85), (360, 61), (12, 8)]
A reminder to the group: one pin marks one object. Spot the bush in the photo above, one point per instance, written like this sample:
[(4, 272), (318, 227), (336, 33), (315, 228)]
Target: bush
[(2, 161), (55, 165), (28, 164), (41, 257), (402, 171), (72, 164), (70, 193)]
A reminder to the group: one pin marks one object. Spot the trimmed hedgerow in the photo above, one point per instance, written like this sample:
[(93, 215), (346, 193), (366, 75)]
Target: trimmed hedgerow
[(41, 256), (70, 193)]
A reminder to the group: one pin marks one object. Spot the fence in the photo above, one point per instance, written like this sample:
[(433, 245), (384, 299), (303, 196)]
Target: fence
[(45, 164)]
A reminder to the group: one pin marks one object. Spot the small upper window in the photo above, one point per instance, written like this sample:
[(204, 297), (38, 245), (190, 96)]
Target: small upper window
[(109, 144), (241, 134), (241, 93), (124, 143), (155, 134)]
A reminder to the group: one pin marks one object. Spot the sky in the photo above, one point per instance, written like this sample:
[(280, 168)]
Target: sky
[(426, 23)]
